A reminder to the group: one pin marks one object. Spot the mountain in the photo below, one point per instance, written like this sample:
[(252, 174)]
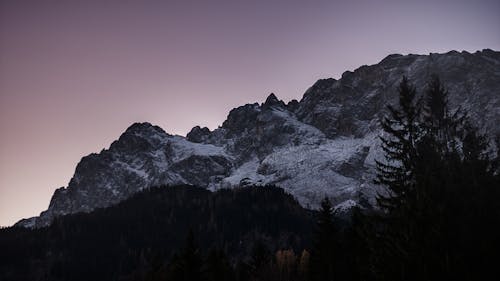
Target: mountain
[(323, 145)]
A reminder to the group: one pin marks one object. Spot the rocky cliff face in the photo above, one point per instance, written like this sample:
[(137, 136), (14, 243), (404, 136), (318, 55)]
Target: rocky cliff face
[(323, 145)]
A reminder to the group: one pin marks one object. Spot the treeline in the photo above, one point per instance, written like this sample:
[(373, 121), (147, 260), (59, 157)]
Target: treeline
[(261, 264), (127, 241), (332, 256)]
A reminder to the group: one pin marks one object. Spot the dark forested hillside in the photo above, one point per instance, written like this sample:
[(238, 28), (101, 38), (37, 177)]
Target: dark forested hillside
[(126, 240)]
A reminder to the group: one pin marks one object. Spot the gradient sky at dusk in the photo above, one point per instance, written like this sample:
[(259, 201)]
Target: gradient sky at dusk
[(75, 74)]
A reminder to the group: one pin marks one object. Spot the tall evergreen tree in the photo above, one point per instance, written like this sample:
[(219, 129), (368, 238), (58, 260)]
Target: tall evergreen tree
[(399, 145), (323, 254), (397, 173), (439, 183)]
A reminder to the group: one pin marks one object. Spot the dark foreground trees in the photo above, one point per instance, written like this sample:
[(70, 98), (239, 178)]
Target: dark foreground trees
[(325, 249), (136, 239), (440, 217)]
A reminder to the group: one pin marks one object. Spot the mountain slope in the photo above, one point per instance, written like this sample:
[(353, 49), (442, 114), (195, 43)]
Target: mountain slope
[(323, 145)]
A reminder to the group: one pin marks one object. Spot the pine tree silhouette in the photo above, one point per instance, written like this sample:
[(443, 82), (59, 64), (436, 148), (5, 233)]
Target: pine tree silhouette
[(434, 159), (323, 254)]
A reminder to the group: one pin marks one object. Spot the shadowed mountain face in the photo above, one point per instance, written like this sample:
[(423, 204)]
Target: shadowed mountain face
[(324, 145)]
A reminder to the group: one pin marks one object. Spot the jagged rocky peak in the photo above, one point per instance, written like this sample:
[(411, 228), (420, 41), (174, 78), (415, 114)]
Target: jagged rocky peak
[(491, 53), (324, 145), (198, 134), (240, 118), (144, 130), (273, 101), (256, 130), (140, 137), (245, 118)]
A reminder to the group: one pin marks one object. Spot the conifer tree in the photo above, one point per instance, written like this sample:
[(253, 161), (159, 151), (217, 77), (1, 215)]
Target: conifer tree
[(397, 174), (323, 253), (399, 145), (441, 180)]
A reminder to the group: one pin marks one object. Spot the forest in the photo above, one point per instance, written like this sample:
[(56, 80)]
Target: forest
[(437, 218)]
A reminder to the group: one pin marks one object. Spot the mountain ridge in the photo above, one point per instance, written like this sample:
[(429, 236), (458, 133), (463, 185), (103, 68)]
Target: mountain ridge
[(323, 145)]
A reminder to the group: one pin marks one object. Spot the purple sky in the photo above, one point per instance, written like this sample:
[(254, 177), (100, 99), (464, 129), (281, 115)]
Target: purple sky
[(76, 74)]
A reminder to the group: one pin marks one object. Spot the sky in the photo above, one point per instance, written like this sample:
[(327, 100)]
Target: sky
[(75, 74)]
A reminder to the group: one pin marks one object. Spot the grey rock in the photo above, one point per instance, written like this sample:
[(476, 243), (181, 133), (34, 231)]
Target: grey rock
[(198, 134)]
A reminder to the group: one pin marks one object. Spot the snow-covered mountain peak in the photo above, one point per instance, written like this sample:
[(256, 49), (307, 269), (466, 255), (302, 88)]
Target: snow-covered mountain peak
[(324, 145)]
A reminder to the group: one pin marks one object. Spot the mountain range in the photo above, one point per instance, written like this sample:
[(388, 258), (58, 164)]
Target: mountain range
[(325, 144)]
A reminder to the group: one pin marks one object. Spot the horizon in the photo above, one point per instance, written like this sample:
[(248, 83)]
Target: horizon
[(132, 63)]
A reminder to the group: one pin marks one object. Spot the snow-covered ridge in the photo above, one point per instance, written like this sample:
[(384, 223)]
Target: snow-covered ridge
[(324, 145)]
